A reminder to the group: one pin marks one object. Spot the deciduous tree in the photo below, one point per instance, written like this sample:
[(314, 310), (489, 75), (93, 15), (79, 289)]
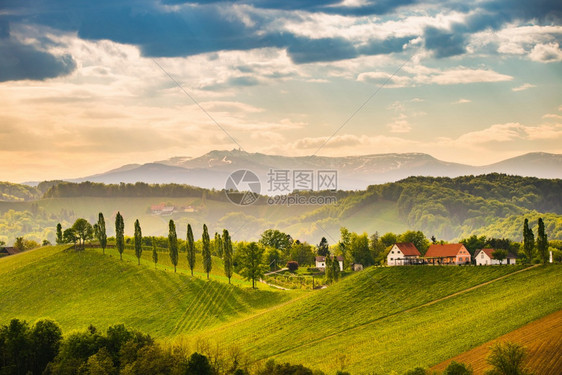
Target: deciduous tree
[(251, 258), (173, 243), (499, 255), (84, 231), (507, 358)]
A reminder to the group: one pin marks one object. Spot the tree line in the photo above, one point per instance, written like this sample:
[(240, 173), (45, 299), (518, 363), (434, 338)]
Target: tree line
[(249, 255)]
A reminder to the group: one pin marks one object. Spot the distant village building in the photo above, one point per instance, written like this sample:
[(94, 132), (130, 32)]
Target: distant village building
[(357, 267), (321, 262), (402, 254), (485, 257), (5, 251), (454, 253)]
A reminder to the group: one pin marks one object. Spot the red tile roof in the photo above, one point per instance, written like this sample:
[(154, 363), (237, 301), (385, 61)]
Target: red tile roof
[(408, 248), (323, 259), (448, 250)]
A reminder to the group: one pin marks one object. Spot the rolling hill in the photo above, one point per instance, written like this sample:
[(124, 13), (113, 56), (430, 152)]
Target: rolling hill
[(81, 288), (380, 319)]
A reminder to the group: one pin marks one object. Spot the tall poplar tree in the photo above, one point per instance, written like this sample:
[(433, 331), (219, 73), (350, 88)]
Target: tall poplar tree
[(59, 234), (190, 247), (138, 240), (120, 234), (542, 242), (100, 232), (218, 245), (173, 244), (154, 252), (206, 251), (335, 269), (528, 241), (227, 254)]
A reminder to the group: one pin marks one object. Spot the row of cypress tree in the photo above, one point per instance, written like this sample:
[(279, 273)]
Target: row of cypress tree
[(223, 244)]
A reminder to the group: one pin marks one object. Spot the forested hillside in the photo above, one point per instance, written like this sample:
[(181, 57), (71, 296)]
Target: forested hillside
[(455, 207)]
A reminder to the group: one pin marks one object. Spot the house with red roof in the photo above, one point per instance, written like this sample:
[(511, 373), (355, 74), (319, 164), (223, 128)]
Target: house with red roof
[(485, 257), (453, 253), (402, 254)]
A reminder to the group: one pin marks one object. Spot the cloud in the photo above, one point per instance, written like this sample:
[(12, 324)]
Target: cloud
[(444, 43), (400, 124), (462, 101), (20, 61), (546, 53), (523, 87)]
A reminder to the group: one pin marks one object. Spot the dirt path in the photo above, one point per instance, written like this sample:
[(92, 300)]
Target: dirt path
[(542, 338)]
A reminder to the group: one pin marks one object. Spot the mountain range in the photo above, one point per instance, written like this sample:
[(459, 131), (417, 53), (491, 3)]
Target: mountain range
[(353, 172)]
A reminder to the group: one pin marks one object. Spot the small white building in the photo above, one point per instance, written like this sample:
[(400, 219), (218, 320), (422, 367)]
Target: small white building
[(402, 253), (485, 257), (321, 262)]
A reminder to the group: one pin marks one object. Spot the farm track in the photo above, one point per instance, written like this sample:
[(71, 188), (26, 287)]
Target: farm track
[(369, 322), (542, 338)]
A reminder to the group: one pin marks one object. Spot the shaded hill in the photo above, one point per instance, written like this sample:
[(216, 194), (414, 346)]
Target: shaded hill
[(81, 288)]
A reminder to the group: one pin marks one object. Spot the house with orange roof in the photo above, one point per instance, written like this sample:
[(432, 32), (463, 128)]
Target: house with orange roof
[(485, 257), (402, 254), (454, 253)]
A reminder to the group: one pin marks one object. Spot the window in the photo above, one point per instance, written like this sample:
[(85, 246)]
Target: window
[(392, 251), (391, 259), (482, 256)]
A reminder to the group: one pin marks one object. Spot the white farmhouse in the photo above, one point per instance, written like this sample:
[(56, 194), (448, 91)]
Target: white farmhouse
[(321, 262), (485, 257), (402, 254)]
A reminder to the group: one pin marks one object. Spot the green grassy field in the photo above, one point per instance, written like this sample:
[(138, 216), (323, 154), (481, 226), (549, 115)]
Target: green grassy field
[(384, 319), (377, 320), (81, 288)]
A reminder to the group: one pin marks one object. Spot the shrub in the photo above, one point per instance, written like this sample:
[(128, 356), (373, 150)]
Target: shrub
[(292, 266), (456, 368)]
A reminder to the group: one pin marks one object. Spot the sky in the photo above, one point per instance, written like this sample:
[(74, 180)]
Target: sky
[(87, 86)]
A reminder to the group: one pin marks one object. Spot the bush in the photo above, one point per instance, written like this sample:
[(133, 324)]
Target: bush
[(292, 266), (456, 368)]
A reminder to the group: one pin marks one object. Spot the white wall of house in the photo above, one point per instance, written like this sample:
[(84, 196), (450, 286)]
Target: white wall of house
[(482, 259), (393, 255), (320, 264)]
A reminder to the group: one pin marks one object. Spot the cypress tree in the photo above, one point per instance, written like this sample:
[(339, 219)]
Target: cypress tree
[(59, 234), (218, 245), (328, 269), (154, 252), (528, 241), (227, 247), (335, 269), (101, 234), (120, 234), (173, 244), (206, 251), (138, 240), (542, 242), (190, 247)]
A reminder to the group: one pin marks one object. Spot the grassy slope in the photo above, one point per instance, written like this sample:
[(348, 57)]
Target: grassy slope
[(372, 317), (541, 338), (81, 288)]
